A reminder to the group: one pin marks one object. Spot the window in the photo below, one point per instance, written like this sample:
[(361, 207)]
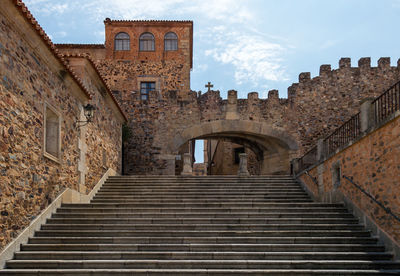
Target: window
[(52, 133), (146, 42), (122, 42), (170, 42), (145, 88)]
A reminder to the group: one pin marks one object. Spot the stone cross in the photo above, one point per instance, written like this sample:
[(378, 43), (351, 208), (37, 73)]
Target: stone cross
[(209, 85)]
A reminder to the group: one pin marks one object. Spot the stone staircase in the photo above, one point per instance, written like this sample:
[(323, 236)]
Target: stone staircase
[(202, 226)]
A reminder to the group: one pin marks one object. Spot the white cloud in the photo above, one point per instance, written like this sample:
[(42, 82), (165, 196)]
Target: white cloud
[(200, 68), (227, 28), (47, 7), (60, 34), (255, 59)]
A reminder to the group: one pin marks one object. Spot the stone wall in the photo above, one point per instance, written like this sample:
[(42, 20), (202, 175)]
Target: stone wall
[(324, 102), (104, 133), (225, 163), (372, 163), (31, 78)]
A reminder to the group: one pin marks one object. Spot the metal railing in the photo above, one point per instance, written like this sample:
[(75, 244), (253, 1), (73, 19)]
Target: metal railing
[(308, 159), (387, 210), (349, 131), (387, 103), (383, 106)]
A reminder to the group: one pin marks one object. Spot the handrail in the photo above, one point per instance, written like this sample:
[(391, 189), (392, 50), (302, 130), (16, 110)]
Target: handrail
[(313, 178), (387, 210)]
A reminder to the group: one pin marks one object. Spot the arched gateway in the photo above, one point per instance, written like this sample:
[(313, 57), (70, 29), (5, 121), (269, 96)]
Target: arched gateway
[(272, 145)]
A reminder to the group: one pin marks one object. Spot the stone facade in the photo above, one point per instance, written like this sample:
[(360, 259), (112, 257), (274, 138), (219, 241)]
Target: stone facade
[(36, 83), (373, 163)]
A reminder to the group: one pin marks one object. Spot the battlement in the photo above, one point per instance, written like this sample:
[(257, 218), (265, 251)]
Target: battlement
[(325, 70)]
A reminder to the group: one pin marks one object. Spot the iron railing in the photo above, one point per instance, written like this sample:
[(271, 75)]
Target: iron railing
[(308, 159), (387, 103), (384, 106), (349, 131), (380, 204)]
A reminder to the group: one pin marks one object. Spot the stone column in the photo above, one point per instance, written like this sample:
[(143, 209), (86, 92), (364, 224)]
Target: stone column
[(243, 165), (295, 166), (187, 165), (367, 115), (320, 150)]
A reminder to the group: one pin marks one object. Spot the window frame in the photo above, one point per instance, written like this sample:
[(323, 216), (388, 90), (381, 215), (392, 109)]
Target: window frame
[(142, 40), (171, 40), (147, 89), (49, 155), (122, 41)]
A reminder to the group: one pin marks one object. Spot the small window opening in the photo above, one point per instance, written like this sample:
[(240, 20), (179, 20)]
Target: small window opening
[(145, 88)]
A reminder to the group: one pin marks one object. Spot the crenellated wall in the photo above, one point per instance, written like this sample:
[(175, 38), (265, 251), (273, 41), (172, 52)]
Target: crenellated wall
[(324, 102), (314, 108)]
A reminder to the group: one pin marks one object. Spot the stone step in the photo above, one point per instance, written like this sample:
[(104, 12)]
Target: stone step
[(202, 202), (238, 190), (204, 233), (232, 210), (202, 227), (194, 186), (232, 181), (201, 264), (198, 215), (198, 240), (176, 255), (260, 197), (213, 194), (265, 205), (209, 179), (184, 194), (206, 247), (211, 221), (195, 272)]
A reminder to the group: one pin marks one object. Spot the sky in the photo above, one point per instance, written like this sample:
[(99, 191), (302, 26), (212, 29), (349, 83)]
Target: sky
[(245, 45)]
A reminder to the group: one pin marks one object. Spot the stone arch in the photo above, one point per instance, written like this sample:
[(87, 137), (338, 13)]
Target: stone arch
[(257, 131), (276, 144)]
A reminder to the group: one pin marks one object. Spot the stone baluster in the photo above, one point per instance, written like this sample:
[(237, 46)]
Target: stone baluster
[(187, 164), (243, 165)]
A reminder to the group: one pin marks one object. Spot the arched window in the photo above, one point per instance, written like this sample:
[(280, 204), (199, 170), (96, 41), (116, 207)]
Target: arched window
[(122, 42), (171, 42), (146, 42)]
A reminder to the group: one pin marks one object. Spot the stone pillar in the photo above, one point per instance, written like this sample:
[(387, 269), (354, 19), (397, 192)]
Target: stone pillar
[(320, 150), (367, 115), (231, 109), (187, 165), (243, 165), (295, 166)]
